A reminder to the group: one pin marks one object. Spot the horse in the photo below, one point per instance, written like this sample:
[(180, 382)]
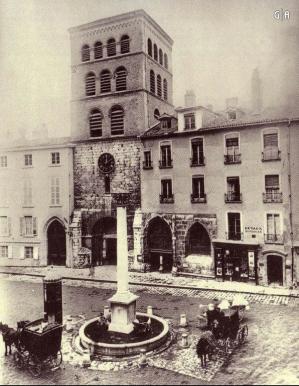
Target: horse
[(10, 336), (204, 347)]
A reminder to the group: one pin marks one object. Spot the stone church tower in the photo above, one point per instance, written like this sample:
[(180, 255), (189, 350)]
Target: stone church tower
[(121, 83)]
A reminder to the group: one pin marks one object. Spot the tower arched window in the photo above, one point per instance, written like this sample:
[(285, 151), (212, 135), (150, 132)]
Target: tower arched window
[(98, 50), (121, 79), (111, 47), (149, 47), (124, 44), (159, 86), (105, 81), (155, 52), (117, 120), (165, 89), (165, 61), (90, 84), (152, 82), (85, 53), (161, 57), (156, 114), (95, 123)]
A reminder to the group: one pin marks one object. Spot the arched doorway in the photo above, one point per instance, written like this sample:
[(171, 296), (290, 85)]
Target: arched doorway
[(159, 238), (198, 240), (56, 243), (104, 242), (274, 269)]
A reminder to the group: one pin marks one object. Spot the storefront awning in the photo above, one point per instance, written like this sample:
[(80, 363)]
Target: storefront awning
[(239, 242)]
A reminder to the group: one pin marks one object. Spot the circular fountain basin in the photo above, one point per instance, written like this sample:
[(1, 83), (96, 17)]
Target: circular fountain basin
[(123, 344)]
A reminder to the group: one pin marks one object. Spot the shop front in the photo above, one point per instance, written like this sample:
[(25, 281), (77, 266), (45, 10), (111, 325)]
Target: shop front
[(236, 262)]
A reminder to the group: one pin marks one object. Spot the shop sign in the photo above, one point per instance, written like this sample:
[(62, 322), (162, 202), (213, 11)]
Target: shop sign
[(251, 259), (253, 229)]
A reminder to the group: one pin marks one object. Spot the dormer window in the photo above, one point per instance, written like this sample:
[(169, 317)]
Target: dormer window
[(232, 114), (165, 123), (189, 120)]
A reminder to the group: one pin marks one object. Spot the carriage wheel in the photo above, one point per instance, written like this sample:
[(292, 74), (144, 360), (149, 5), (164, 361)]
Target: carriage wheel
[(19, 361), (57, 360), (35, 367)]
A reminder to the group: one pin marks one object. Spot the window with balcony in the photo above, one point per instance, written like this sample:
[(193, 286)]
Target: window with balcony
[(272, 193), (271, 150), (166, 195), (234, 226), (232, 150), (233, 190), (189, 120), (274, 231), (165, 156), (28, 226), (198, 190), (197, 155), (147, 162)]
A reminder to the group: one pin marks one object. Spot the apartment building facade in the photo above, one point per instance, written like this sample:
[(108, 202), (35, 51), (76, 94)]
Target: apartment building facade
[(121, 83), (36, 203), (220, 197)]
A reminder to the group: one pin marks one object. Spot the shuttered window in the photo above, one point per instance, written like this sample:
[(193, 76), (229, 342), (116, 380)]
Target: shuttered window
[(159, 86), (111, 47), (117, 120), (121, 79), (27, 192), (124, 44), (271, 140), (105, 80), (85, 53), (165, 89), (98, 50), (28, 226), (161, 57), (155, 52), (152, 82), (55, 191), (90, 84), (95, 123)]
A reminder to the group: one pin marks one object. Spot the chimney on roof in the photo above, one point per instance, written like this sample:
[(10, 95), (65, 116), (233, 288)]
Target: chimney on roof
[(256, 92), (231, 103), (190, 99)]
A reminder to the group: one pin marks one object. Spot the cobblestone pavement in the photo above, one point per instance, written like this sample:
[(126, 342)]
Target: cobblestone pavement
[(268, 357)]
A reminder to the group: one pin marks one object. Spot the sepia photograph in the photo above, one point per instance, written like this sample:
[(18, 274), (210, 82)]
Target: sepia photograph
[(149, 192)]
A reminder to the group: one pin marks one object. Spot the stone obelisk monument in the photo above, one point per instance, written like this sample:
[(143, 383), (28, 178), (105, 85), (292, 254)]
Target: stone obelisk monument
[(123, 303)]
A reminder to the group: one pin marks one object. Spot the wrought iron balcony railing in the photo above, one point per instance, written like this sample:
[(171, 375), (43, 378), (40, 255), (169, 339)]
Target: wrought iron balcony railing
[(273, 238), (197, 161), (232, 159), (274, 196), (233, 197), (165, 164), (147, 165), (271, 154), (196, 199), (234, 235), (167, 199)]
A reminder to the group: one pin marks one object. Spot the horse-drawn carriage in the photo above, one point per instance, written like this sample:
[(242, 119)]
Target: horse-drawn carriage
[(225, 327), (38, 346)]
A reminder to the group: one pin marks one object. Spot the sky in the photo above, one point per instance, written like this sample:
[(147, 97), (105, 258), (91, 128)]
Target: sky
[(217, 44)]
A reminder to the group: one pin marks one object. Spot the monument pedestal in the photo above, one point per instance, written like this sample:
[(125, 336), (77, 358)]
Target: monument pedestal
[(123, 312)]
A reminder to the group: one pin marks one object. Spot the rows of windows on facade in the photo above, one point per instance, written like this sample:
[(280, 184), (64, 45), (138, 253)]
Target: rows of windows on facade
[(28, 162), (118, 82)]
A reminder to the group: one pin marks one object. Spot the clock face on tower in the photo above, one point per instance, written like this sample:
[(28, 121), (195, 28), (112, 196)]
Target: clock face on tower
[(106, 163)]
